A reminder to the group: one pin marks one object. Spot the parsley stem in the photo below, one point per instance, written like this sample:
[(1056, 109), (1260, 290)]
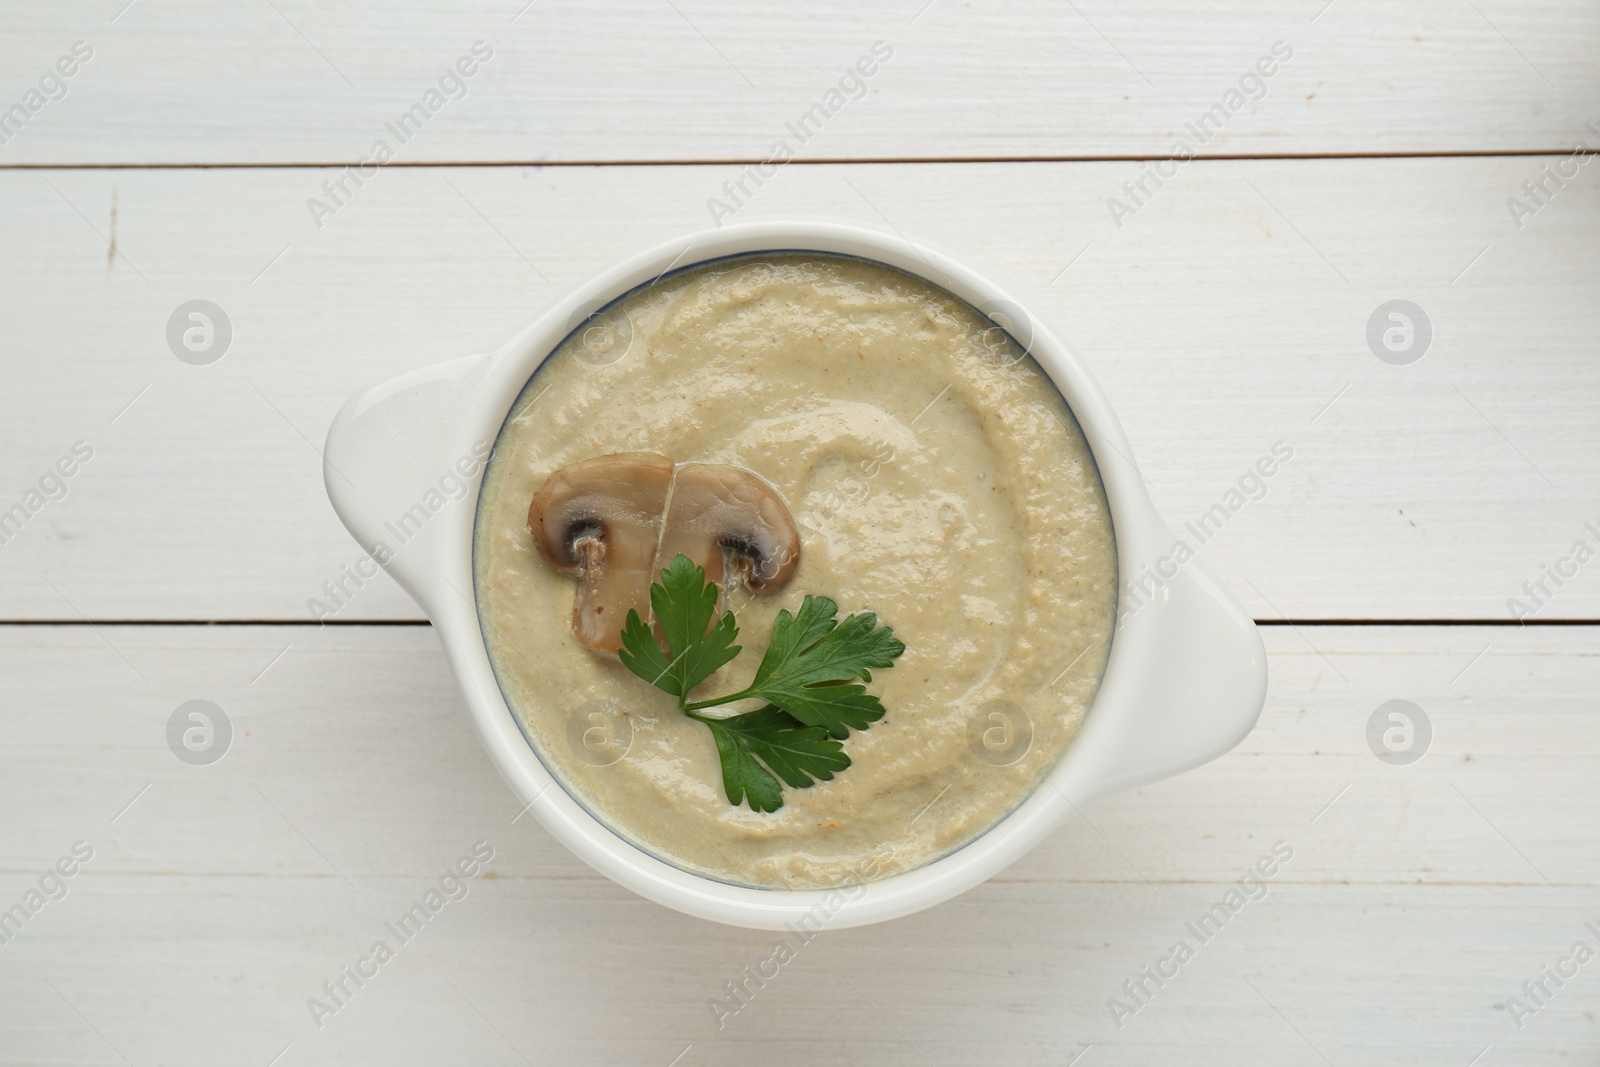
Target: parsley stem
[(714, 701)]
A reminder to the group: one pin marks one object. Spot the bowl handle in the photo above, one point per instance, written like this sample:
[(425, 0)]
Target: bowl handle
[(402, 471), (1197, 686)]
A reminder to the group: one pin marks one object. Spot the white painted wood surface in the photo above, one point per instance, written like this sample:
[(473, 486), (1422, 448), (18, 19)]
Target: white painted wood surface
[(1226, 313), (187, 81), (1229, 313), (1418, 900)]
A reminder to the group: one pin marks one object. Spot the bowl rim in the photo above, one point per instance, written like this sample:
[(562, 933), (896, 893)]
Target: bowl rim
[(466, 400)]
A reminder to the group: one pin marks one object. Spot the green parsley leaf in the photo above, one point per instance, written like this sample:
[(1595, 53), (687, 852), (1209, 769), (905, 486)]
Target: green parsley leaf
[(810, 678), (801, 755), (641, 655), (812, 652), (683, 603)]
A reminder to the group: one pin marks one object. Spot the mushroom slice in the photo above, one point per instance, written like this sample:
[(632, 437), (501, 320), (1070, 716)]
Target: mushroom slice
[(734, 524), (600, 520)]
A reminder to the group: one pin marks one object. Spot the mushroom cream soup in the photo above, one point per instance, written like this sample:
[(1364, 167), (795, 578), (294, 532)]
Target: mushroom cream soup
[(890, 449)]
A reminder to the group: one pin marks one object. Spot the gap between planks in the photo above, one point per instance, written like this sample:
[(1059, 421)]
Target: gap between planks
[(821, 161)]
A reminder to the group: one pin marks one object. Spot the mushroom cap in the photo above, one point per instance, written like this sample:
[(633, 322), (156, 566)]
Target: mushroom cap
[(600, 520), (614, 521), (623, 488), (729, 518)]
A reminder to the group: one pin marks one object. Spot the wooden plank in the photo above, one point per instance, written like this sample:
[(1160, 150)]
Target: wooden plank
[(1229, 313), (192, 82), (224, 895)]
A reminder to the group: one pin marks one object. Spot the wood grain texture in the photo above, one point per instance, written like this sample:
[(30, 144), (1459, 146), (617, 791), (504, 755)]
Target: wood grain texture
[(185, 81), (1227, 314), (1418, 898)]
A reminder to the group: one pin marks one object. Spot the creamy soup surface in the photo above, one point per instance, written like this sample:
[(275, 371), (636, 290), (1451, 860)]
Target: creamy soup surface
[(937, 478)]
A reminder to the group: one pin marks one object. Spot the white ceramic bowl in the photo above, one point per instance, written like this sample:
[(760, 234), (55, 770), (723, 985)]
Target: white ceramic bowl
[(1187, 672)]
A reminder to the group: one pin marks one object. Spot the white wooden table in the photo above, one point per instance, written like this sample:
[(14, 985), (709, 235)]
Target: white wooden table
[(1223, 311)]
